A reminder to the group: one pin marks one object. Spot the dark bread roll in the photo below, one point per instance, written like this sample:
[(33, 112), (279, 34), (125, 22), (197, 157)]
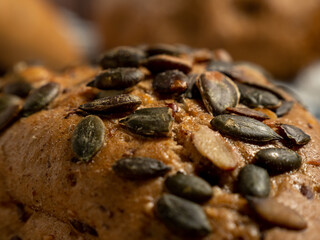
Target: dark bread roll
[(115, 187)]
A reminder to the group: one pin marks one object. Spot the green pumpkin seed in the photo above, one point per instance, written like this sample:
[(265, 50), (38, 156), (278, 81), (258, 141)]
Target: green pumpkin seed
[(278, 160), (189, 187), (182, 216), (161, 63), (218, 92), (140, 168), (248, 112), (295, 134), (254, 97), (40, 98), (19, 88), (150, 121), (276, 213), (88, 137), (171, 81), (254, 181), (118, 78), (10, 107), (117, 104), (122, 57), (244, 128), (284, 108)]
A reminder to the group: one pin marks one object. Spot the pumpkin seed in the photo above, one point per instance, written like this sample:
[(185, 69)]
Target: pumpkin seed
[(122, 57), (244, 128), (189, 187), (161, 63), (109, 93), (140, 168), (166, 49), (171, 81), (19, 88), (221, 66), (116, 104), (201, 55), (215, 148), (40, 98), (218, 92), (88, 137), (284, 108), (10, 107), (118, 78), (248, 112), (254, 97), (182, 216), (278, 160), (277, 214), (83, 227), (192, 89), (150, 121), (295, 134), (254, 181)]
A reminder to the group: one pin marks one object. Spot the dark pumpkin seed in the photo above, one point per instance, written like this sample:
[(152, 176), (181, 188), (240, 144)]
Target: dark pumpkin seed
[(116, 104), (278, 160), (221, 66), (83, 228), (19, 88), (244, 128), (254, 181), (172, 81), (192, 89), (277, 214), (284, 108), (88, 137), (254, 97), (10, 107), (118, 78), (140, 168), (218, 92), (161, 63), (294, 134), (248, 112), (166, 49), (40, 98), (150, 121), (189, 187), (182, 216), (122, 57)]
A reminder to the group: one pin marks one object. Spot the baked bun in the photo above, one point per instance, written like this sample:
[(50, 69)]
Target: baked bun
[(164, 142)]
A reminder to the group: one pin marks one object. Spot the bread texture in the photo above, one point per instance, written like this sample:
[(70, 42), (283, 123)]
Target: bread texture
[(65, 198)]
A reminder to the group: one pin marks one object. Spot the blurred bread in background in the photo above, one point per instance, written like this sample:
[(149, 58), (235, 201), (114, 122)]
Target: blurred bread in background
[(33, 30), (282, 36)]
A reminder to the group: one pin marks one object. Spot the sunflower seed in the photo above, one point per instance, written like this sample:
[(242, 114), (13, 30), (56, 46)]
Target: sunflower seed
[(140, 168), (171, 81), (182, 216), (150, 121), (278, 160), (284, 108), (88, 137), (254, 181), (215, 148), (10, 107), (40, 98), (122, 57), (161, 63), (166, 49), (189, 187), (244, 128), (118, 78), (295, 134), (277, 214), (253, 97), (248, 112), (19, 88), (116, 104), (83, 227), (218, 92)]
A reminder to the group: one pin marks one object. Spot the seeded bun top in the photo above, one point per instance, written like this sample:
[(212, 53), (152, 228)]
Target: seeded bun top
[(162, 142)]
